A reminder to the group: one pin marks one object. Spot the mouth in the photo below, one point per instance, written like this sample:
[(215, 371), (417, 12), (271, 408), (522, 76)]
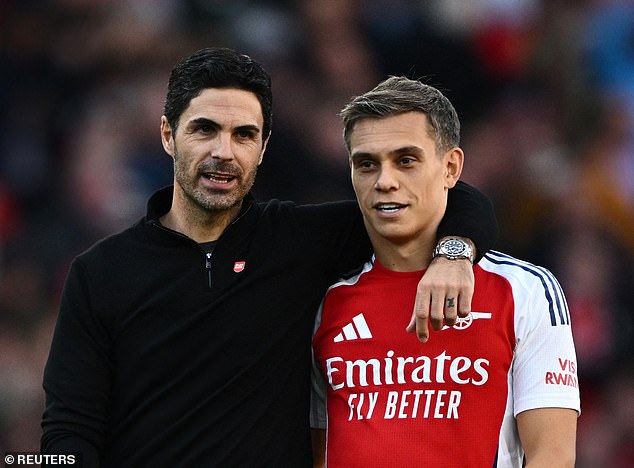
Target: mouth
[(388, 208), (219, 178)]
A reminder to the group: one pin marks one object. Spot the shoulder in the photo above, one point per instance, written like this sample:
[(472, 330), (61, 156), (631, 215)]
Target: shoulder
[(111, 246), (531, 284), (516, 270)]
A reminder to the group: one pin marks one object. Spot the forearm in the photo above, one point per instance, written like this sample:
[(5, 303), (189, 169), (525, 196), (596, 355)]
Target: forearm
[(470, 214)]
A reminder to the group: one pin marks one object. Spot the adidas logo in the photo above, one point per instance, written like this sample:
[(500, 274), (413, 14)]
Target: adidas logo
[(355, 330)]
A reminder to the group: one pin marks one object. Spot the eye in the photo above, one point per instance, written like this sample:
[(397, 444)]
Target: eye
[(364, 165), (205, 129), (245, 134), (406, 160)]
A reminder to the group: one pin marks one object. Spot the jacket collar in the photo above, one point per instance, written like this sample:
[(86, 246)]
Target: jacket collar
[(161, 201)]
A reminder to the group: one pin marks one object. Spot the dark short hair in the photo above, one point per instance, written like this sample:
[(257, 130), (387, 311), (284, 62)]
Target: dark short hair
[(217, 67), (397, 95)]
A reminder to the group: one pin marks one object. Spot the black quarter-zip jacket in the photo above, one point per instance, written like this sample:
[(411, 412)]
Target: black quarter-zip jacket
[(163, 356)]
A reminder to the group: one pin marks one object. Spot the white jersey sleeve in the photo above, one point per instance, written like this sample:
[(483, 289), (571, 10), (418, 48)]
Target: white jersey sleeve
[(544, 372)]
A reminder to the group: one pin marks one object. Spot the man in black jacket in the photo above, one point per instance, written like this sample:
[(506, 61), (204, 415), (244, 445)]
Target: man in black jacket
[(185, 339)]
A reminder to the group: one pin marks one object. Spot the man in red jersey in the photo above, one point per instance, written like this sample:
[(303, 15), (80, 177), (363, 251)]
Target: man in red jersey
[(501, 381)]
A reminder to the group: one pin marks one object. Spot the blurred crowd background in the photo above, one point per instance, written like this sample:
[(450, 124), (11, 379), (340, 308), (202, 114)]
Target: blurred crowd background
[(544, 88)]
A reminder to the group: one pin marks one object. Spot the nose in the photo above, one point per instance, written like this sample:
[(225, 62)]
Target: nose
[(221, 147), (386, 179)]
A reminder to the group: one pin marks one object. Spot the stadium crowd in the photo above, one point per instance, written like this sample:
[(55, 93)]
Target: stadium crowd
[(544, 89)]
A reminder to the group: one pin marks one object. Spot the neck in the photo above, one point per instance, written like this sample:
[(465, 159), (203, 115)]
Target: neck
[(413, 255), (197, 223)]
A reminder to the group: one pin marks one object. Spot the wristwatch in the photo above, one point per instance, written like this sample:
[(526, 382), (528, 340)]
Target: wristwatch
[(453, 249)]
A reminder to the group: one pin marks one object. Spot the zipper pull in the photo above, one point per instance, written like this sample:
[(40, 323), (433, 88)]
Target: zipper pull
[(208, 267)]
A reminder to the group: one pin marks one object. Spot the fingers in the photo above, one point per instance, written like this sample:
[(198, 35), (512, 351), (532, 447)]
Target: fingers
[(437, 311), (464, 303), (420, 317), (440, 311), (451, 309), (444, 294)]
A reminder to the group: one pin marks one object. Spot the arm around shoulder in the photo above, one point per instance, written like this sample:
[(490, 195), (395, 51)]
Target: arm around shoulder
[(470, 217), (470, 214)]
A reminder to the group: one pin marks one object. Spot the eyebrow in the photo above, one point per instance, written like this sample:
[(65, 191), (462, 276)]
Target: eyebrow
[(204, 121), (412, 149), (216, 125)]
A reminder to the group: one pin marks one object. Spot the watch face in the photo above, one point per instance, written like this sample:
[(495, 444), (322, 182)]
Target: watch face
[(454, 247)]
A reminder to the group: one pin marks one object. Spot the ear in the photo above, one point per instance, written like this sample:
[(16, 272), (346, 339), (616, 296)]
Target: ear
[(454, 161), (266, 142), (167, 137)]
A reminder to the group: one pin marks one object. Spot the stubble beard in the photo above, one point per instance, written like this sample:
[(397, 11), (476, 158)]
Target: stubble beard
[(212, 201)]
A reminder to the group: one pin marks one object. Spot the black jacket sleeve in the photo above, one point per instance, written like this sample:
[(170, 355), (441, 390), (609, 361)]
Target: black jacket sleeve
[(76, 377), (470, 214)]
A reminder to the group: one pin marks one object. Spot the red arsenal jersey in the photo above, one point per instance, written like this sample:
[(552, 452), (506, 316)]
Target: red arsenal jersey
[(388, 400)]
